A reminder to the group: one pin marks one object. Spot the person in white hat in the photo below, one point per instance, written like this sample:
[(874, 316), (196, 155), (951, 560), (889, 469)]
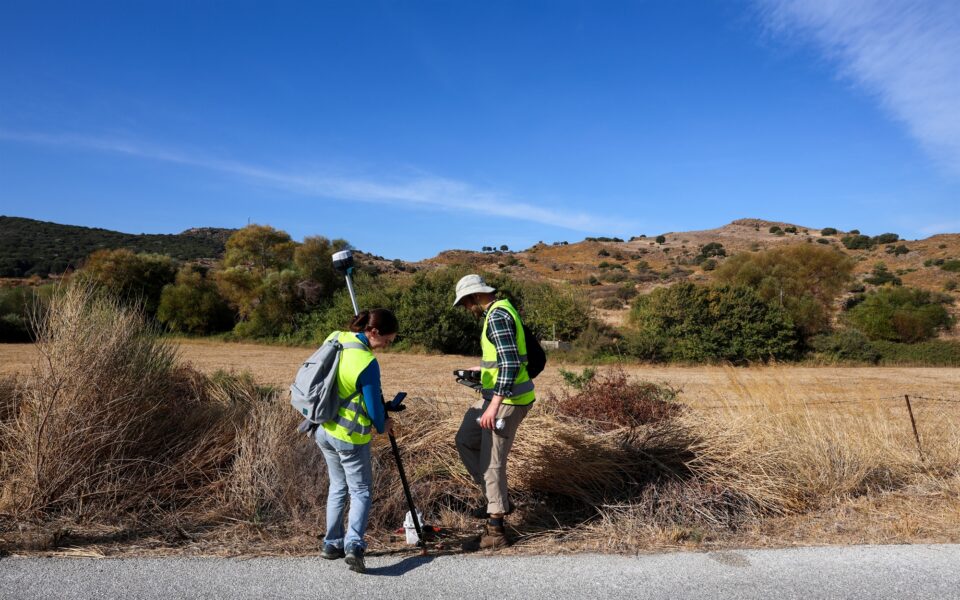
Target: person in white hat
[(507, 393)]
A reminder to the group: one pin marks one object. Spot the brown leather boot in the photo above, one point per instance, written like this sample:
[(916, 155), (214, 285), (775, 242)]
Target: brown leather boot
[(493, 537)]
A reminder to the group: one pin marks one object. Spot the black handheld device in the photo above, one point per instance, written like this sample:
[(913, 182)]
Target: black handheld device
[(468, 377), (397, 403)]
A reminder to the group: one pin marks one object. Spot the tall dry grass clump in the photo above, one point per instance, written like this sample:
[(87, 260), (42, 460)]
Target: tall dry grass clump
[(8, 397), (109, 424), (276, 475), (9, 402)]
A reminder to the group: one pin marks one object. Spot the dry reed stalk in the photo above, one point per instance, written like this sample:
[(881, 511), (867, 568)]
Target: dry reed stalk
[(9, 407), (109, 424), (276, 473)]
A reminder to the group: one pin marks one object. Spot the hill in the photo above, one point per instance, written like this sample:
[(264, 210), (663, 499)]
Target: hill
[(612, 270), (29, 247)]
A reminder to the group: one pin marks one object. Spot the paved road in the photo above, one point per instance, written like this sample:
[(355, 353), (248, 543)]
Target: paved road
[(914, 572)]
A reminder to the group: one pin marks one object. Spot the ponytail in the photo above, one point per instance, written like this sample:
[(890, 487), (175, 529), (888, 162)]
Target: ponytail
[(380, 319)]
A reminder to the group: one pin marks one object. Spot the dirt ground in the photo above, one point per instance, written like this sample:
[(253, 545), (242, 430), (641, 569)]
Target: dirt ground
[(430, 376)]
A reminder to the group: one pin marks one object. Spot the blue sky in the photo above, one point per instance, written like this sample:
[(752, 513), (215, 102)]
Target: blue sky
[(413, 127)]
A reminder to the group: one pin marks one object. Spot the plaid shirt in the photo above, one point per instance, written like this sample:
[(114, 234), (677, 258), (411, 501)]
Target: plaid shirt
[(502, 332)]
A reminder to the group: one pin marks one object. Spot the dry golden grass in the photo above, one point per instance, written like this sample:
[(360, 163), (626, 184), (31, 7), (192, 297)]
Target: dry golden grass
[(430, 376), (758, 456), (107, 422)]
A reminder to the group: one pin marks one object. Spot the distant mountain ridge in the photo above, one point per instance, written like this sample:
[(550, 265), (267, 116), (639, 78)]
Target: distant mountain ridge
[(30, 247)]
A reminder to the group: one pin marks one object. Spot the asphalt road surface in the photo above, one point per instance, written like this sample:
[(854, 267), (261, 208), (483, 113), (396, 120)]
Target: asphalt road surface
[(913, 572)]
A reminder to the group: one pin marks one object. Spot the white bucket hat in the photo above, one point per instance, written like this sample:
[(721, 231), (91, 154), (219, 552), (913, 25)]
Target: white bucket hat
[(471, 284)]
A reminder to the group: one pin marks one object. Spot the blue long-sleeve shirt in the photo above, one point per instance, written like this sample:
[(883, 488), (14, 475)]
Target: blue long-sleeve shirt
[(369, 385)]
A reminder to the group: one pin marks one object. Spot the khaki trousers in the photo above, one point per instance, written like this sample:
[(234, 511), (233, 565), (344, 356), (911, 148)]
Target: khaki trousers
[(484, 452)]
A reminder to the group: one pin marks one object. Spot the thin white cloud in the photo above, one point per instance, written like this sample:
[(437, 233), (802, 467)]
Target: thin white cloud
[(944, 227), (906, 52), (421, 191)]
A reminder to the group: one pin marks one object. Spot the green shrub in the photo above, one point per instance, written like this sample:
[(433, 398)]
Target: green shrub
[(277, 309), (775, 229), (313, 260), (790, 229), (686, 322), (132, 278), (712, 249), (952, 265), (846, 345), (858, 242), (597, 340), (805, 280), (931, 353), (660, 239), (627, 291), (428, 318), (950, 285), (886, 238), (193, 305), (828, 231), (822, 241), (852, 346), (577, 381), (882, 276), (260, 248), (372, 292), (549, 309), (854, 300), (424, 307), (708, 265), (610, 303), (613, 276), (16, 305), (901, 314), (603, 252)]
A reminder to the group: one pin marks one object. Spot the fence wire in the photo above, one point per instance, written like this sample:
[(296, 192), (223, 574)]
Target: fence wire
[(930, 420)]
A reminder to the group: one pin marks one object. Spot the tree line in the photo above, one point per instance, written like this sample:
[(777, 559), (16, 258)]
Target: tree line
[(779, 304)]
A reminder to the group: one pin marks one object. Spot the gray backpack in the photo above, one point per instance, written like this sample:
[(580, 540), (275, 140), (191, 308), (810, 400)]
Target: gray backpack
[(314, 394)]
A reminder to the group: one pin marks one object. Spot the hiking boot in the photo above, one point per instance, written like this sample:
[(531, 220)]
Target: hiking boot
[(355, 560), (331, 552), (480, 512), (493, 537)]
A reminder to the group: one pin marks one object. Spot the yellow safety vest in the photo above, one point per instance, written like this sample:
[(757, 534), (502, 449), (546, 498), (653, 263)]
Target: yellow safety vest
[(521, 393), (352, 423)]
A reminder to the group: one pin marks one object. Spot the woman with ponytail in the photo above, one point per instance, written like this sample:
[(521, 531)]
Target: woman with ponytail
[(345, 441)]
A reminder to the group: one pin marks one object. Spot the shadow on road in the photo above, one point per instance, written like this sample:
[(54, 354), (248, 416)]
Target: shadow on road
[(401, 568)]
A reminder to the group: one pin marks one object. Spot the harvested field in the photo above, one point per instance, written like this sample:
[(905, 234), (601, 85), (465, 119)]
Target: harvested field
[(762, 456), (430, 376)]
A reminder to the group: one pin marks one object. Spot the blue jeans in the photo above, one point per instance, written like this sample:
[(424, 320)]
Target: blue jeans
[(349, 469)]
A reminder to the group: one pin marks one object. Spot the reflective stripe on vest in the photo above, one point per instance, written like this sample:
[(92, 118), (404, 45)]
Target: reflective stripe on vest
[(521, 393), (352, 423), (515, 390)]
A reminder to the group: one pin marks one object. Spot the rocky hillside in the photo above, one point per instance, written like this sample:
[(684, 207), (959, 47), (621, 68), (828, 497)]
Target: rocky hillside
[(603, 268)]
